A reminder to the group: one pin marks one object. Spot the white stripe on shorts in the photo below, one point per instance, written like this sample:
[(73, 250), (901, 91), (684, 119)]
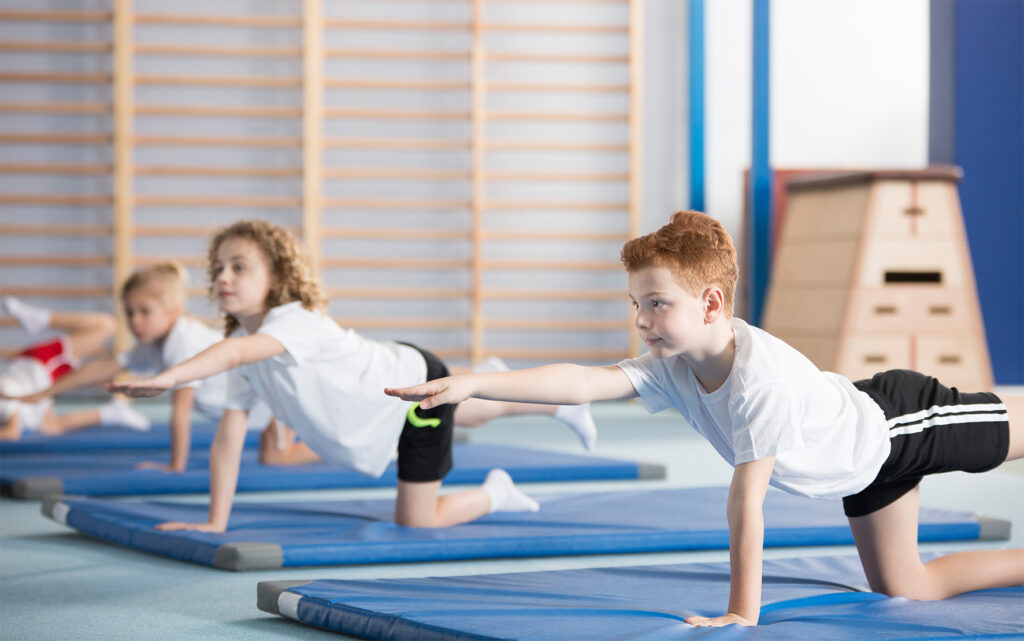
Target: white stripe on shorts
[(919, 421)]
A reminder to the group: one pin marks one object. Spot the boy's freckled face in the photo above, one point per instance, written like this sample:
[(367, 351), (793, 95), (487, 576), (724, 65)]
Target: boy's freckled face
[(242, 278), (667, 317), (149, 318)]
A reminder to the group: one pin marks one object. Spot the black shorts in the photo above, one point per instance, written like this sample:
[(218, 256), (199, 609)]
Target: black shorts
[(932, 429), (425, 445)]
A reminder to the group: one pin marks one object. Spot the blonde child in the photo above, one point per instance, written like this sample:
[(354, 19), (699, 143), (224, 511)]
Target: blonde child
[(82, 335), (327, 383), (154, 304), (780, 421)]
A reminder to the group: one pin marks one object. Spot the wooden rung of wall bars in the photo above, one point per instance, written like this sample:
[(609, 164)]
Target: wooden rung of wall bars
[(56, 16), (442, 324), (237, 20), (565, 324), (559, 354), (400, 85), (56, 46), (217, 51), (77, 108), (55, 199), (56, 230), (397, 293), (258, 82), (395, 25), (168, 200), (527, 205), (55, 292), (55, 168), (397, 263), (219, 141), (553, 28), (55, 261), (217, 172), (412, 204), (55, 139), (395, 54), (378, 173), (394, 114), (558, 88), (552, 294), (557, 116), (567, 176), (395, 233), (547, 235), (510, 56), (537, 145), (57, 78), (216, 111), (397, 143), (552, 265)]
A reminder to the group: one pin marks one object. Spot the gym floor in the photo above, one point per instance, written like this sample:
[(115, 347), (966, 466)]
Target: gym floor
[(56, 584)]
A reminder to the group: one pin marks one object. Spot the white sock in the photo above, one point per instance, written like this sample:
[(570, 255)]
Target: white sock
[(505, 496), (33, 319), (578, 418), (491, 364), (118, 413)]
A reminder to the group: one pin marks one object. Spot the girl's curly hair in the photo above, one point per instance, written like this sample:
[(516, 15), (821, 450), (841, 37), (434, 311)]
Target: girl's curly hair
[(292, 277)]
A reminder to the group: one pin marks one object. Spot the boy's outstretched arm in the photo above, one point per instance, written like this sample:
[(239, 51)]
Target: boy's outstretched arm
[(562, 384), (746, 540), (225, 457), (219, 357)]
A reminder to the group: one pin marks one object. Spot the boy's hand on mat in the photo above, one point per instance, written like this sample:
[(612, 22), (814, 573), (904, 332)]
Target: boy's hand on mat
[(717, 622), (452, 389), (142, 388), (174, 526)]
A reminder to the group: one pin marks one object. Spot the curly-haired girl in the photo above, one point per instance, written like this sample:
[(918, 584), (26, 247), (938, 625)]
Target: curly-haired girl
[(327, 384)]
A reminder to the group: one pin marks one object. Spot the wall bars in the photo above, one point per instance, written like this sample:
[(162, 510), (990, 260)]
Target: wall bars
[(464, 172)]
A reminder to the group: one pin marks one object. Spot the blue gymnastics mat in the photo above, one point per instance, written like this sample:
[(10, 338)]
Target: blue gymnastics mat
[(290, 534), (806, 598), (112, 439), (33, 476)]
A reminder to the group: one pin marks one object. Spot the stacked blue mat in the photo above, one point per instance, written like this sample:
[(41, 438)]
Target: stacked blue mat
[(34, 476), (290, 534), (112, 439), (810, 598)]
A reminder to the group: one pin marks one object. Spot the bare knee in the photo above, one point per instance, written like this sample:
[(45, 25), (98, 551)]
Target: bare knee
[(910, 584), (417, 520)]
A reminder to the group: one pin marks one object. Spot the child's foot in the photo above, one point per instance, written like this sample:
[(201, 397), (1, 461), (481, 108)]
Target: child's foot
[(505, 496), (119, 414), (32, 318), (578, 418), (491, 364)]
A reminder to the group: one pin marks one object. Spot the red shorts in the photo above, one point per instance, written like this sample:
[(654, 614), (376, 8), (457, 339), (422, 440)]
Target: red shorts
[(53, 355)]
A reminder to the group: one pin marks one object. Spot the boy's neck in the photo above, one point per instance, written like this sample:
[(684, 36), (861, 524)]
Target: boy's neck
[(713, 364)]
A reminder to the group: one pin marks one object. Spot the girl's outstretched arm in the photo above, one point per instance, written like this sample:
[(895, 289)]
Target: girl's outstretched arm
[(219, 357), (561, 384)]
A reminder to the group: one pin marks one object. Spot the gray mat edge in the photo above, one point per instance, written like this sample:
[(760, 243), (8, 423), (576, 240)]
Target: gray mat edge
[(35, 489), (245, 556), (993, 529), (267, 593), (650, 470)]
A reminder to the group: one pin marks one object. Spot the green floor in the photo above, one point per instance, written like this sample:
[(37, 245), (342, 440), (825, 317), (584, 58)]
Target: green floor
[(55, 584)]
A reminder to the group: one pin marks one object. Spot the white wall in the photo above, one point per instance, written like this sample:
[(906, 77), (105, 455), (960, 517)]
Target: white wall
[(849, 83)]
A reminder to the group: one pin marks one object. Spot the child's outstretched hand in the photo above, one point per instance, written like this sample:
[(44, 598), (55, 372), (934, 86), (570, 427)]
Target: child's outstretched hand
[(142, 388), (452, 389), (174, 526), (717, 622)]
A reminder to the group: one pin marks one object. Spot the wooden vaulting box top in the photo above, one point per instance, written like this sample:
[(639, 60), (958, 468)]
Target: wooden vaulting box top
[(935, 172)]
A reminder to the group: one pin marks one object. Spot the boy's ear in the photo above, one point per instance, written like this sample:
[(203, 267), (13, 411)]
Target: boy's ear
[(714, 304)]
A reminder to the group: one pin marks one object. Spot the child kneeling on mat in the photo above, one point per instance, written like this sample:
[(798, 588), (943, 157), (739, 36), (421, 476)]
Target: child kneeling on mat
[(24, 404), (154, 306), (327, 384), (780, 421)]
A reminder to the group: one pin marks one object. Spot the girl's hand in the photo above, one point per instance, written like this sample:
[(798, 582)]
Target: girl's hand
[(453, 389), (175, 526), (155, 465), (143, 388), (717, 622)]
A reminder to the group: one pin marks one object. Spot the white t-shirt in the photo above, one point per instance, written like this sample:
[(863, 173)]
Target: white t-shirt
[(329, 387), (22, 376), (829, 438), (188, 337)]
